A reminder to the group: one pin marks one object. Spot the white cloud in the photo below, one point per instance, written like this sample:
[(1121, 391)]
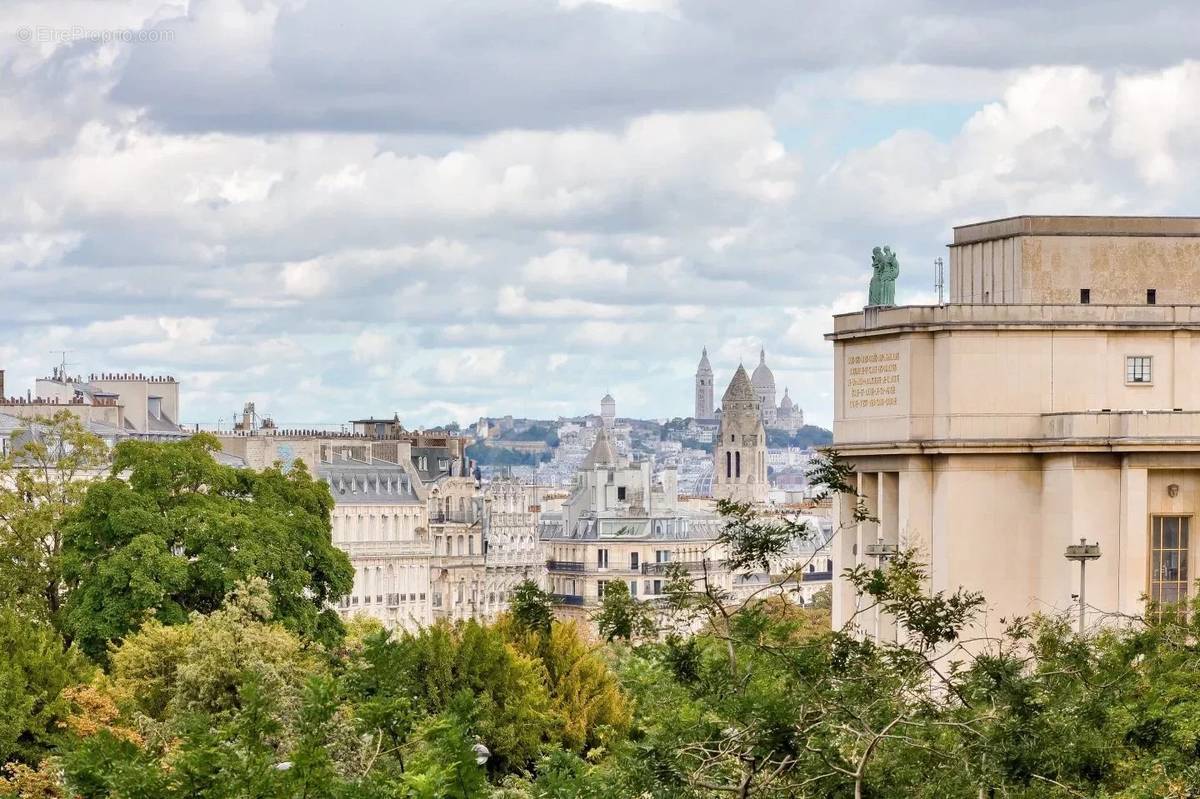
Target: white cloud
[(571, 267), (339, 210), (370, 346), (1156, 122)]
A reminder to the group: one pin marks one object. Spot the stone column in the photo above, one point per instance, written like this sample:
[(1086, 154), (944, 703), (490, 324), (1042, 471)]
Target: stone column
[(1133, 551), (868, 533), (843, 545), (889, 531)]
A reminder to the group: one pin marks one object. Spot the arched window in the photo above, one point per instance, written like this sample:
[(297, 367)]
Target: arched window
[(737, 459), (728, 465)]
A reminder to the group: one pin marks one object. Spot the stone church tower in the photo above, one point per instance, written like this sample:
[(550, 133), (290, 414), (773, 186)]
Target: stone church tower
[(740, 456), (704, 388)]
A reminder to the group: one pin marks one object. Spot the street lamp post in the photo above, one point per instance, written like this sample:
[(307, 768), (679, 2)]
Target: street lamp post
[(1083, 552), (881, 552)]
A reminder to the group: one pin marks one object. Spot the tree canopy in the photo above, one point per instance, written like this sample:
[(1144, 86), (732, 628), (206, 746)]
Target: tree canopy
[(171, 531), (43, 478), (709, 695)]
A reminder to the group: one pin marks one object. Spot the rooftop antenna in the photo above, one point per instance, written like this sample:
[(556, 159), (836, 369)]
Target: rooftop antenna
[(939, 277), (62, 362)]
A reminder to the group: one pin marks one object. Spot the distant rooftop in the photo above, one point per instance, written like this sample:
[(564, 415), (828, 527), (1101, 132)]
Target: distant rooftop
[(1182, 226)]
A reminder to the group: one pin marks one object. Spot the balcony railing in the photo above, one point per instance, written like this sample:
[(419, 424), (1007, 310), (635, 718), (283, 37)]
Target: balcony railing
[(690, 566), (453, 518), (565, 565), (568, 599), (815, 577)]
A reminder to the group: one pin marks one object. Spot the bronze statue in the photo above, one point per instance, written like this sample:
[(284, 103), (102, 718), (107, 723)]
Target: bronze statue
[(885, 269)]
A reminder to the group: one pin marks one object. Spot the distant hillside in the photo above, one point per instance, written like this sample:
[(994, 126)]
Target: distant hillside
[(807, 436)]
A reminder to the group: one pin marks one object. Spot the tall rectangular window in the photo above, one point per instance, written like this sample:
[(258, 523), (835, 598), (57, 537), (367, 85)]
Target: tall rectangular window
[(1170, 545), (601, 558), (1151, 296), (1085, 296), (633, 561), (1138, 369)]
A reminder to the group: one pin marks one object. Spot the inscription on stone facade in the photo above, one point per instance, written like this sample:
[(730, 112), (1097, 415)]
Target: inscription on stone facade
[(872, 380)]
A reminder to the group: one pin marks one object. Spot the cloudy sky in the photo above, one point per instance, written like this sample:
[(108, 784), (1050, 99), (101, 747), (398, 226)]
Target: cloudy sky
[(445, 208)]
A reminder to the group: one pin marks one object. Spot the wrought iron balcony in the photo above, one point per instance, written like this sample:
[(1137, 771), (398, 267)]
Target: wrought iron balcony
[(689, 566), (568, 599), (565, 565)]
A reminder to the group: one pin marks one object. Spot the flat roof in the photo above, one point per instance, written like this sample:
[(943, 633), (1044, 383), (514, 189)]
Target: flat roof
[(1182, 226)]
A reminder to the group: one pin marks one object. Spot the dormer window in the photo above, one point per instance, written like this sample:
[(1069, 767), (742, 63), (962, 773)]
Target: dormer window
[(154, 406)]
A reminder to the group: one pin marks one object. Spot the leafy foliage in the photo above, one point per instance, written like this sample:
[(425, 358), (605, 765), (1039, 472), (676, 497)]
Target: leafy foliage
[(750, 698), (42, 482), (622, 616), (34, 672), (470, 670), (171, 531), (531, 608)]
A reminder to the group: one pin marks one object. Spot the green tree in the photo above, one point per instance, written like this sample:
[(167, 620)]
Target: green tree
[(34, 671), (584, 692), (171, 672), (622, 616), (171, 531), (42, 482), (471, 670), (531, 608), (236, 755)]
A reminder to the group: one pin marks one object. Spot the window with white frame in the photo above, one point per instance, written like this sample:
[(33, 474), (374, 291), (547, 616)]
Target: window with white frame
[(1138, 369)]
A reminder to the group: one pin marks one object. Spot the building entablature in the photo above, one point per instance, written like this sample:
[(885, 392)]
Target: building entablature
[(938, 318)]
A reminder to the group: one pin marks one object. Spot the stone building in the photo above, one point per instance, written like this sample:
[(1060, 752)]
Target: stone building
[(704, 388), (512, 547), (790, 417), (1055, 397), (617, 525), (401, 502), (380, 521), (763, 381), (608, 411), (740, 454), (457, 568), (116, 405), (787, 417)]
